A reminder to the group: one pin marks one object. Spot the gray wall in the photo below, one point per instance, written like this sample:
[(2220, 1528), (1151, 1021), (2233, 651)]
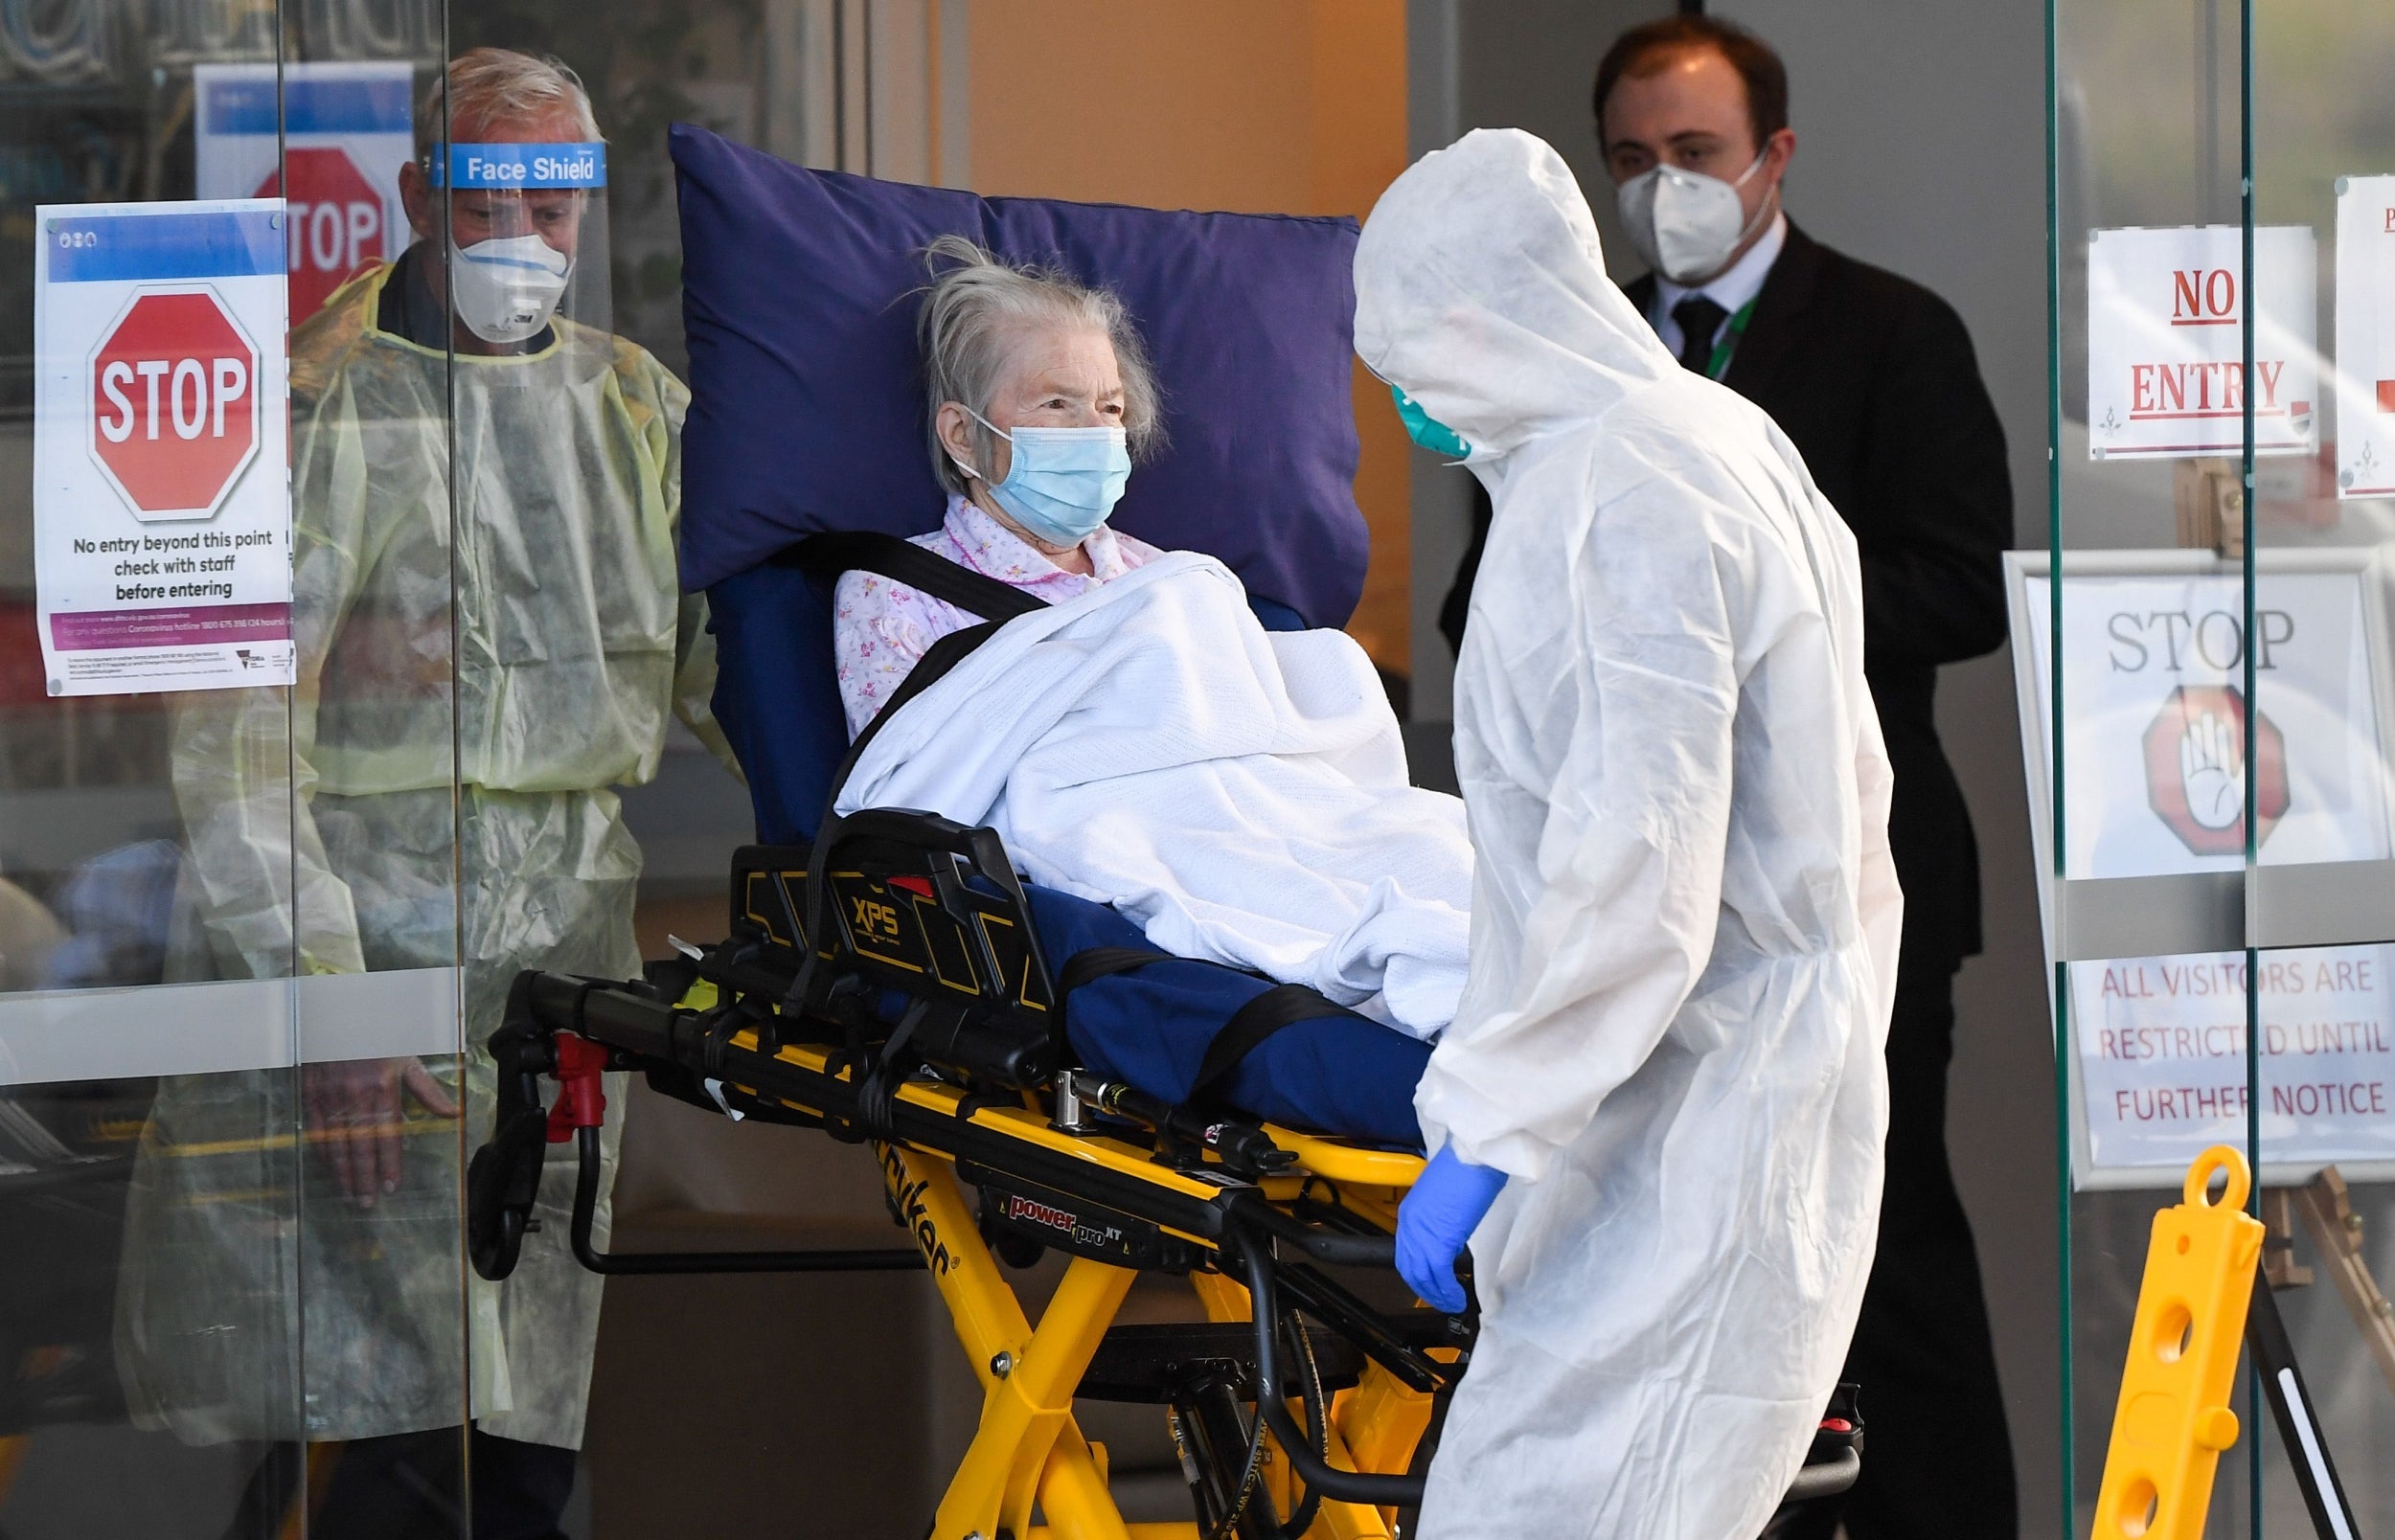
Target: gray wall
[(1920, 149)]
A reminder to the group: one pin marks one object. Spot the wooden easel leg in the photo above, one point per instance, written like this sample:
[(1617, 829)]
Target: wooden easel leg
[(2279, 1267), (2328, 1213)]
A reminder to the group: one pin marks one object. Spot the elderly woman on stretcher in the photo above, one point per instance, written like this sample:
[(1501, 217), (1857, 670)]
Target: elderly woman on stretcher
[(1239, 796)]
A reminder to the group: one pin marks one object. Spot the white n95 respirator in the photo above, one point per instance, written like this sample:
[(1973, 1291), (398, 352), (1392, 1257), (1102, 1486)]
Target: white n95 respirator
[(507, 288), (1686, 224)]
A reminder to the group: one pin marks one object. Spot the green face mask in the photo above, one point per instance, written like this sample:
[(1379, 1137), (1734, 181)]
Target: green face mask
[(1428, 431)]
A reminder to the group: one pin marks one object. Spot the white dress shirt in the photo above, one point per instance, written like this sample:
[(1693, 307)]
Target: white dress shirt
[(1738, 283)]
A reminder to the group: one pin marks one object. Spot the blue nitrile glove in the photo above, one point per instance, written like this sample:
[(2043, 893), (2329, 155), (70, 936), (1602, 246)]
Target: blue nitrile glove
[(1437, 1218)]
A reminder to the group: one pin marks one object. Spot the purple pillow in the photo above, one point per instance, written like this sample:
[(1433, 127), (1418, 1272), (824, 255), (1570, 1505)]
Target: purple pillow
[(808, 411)]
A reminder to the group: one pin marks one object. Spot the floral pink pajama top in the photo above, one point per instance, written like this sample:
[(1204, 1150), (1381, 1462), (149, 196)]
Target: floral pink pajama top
[(879, 628)]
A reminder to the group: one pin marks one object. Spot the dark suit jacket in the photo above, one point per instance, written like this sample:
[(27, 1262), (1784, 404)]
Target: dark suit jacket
[(1872, 377)]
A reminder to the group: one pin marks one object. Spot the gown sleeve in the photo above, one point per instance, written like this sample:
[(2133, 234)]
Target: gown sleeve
[(1619, 912), (694, 643)]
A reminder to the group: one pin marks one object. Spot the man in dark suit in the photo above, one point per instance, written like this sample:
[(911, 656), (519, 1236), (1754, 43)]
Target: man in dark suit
[(1874, 379)]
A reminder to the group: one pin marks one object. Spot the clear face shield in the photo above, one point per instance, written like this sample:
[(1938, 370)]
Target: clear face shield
[(528, 241)]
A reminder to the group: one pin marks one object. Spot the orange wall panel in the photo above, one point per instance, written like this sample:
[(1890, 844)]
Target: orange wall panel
[(1258, 106)]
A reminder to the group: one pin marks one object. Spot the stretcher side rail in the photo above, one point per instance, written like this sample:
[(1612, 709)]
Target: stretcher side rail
[(630, 1029)]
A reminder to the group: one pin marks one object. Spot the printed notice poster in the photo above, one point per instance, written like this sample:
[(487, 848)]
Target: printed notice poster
[(2156, 779), (2366, 336), (2166, 373), (346, 130), (2154, 674), (162, 511), (2161, 1055)]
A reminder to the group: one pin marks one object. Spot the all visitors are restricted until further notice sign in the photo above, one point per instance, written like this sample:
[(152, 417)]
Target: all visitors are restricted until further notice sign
[(162, 510)]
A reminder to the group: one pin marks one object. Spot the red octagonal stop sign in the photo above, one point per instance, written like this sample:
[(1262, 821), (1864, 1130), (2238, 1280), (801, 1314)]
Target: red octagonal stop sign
[(2196, 769), (335, 223), (174, 404)]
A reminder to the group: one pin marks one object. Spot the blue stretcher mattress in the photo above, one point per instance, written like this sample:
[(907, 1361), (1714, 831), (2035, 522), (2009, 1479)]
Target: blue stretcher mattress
[(807, 416)]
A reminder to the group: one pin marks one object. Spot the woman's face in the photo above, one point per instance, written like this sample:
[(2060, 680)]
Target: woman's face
[(1053, 378)]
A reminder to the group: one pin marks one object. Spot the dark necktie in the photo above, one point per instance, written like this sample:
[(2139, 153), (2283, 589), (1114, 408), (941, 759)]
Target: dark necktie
[(1699, 318)]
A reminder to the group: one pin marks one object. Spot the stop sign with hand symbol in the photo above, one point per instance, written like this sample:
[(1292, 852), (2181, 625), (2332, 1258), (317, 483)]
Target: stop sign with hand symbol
[(2196, 769)]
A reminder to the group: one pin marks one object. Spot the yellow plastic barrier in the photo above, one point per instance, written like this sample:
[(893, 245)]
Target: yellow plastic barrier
[(2174, 1417)]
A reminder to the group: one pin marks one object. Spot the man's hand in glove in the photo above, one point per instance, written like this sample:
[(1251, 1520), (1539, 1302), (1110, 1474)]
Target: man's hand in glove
[(1437, 1218)]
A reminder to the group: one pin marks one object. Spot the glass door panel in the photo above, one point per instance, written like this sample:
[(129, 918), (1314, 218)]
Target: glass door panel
[(2218, 756), (2130, 624), (196, 988)]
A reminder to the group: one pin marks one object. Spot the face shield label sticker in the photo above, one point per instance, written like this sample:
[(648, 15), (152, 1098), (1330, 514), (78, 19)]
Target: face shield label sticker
[(524, 167), (162, 513)]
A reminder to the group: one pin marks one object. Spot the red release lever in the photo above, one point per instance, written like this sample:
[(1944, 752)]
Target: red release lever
[(582, 1100)]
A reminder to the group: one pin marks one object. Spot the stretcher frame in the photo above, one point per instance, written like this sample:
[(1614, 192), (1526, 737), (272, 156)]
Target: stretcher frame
[(969, 1091)]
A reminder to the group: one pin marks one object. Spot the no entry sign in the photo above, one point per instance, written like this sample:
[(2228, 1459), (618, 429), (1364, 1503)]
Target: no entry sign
[(346, 130), (2366, 336), (162, 516), (2166, 343)]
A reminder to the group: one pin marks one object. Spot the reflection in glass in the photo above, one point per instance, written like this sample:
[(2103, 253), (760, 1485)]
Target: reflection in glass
[(2267, 768)]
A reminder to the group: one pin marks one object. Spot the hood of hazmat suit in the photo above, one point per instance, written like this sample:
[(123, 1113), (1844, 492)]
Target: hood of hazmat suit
[(480, 658), (1684, 914)]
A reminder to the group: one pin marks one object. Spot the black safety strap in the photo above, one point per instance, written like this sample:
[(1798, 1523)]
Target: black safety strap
[(1103, 961), (903, 561), (827, 556), (1284, 1004), (942, 655), (933, 666)]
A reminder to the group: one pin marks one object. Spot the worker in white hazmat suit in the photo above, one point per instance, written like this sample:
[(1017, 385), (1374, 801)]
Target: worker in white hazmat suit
[(490, 637), (1658, 1117)]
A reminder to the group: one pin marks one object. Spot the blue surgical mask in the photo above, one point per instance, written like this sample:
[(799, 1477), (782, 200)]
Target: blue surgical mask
[(1063, 482), (1428, 431)]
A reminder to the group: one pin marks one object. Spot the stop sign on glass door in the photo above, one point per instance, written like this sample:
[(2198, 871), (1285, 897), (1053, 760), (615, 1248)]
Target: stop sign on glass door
[(174, 404), (337, 224), (162, 506)]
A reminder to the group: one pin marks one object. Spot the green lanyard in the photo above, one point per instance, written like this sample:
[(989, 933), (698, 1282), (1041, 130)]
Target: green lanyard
[(1720, 363)]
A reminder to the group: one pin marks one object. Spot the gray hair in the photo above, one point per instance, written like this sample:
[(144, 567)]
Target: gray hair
[(485, 86), (977, 304)]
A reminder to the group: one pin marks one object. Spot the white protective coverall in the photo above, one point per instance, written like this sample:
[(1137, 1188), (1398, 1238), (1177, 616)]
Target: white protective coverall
[(463, 706), (1684, 914)]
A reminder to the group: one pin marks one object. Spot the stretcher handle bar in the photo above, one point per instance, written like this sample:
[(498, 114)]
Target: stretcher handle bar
[(586, 1204), (1827, 1479), (1368, 1487), (1351, 1318), (1335, 1247)]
